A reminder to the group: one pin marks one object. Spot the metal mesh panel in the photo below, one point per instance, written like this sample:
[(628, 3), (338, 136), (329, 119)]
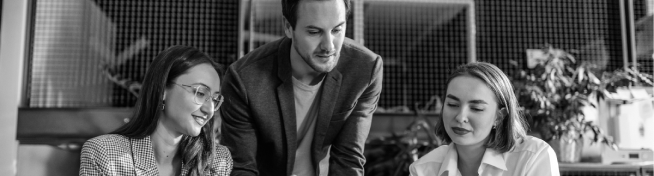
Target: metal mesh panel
[(590, 29), (86, 53), (643, 24), (420, 41), (596, 169), (599, 173)]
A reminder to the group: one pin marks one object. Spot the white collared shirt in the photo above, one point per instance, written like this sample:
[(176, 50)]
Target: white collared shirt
[(532, 157)]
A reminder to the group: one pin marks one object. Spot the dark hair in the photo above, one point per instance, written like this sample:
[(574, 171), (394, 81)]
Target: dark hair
[(511, 126), (289, 10), (197, 152)]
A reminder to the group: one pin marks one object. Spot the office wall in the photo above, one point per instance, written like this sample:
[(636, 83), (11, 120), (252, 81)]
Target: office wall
[(12, 35)]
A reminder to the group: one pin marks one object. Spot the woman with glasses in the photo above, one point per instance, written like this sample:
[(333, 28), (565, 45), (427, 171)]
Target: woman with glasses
[(171, 131)]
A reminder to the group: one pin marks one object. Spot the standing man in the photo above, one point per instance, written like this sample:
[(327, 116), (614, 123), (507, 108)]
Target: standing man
[(302, 105)]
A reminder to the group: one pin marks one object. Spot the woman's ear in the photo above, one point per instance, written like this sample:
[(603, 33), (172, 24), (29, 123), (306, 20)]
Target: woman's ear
[(502, 112)]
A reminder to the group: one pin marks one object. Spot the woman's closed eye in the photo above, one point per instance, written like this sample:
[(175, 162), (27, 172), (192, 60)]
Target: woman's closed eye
[(452, 104), (477, 108)]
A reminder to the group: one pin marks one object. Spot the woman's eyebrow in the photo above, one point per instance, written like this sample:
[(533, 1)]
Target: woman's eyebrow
[(478, 102), (202, 84), (471, 101), (452, 97)]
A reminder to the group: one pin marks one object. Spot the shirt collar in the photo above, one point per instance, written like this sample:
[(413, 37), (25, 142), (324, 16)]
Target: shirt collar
[(450, 161), (494, 158), (491, 157)]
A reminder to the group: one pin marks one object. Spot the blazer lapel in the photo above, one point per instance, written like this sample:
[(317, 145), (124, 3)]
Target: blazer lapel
[(286, 102), (143, 156), (330, 90)]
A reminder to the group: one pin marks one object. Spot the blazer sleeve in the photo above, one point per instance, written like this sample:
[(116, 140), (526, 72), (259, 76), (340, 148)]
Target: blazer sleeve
[(347, 149), (237, 130), (88, 159)]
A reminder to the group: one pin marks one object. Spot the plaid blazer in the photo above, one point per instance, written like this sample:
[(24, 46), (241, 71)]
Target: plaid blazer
[(114, 154)]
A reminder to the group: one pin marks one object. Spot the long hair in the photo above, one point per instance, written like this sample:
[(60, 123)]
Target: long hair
[(511, 127), (197, 152)]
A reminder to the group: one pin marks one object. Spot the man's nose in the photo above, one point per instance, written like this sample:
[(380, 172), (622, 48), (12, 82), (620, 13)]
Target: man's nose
[(327, 43)]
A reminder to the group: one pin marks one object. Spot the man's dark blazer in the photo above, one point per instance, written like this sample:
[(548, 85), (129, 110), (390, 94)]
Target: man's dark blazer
[(259, 124)]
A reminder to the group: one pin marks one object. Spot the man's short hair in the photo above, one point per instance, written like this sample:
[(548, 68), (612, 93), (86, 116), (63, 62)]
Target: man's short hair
[(289, 10)]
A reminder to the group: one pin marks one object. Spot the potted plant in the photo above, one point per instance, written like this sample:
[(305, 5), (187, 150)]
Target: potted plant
[(553, 93)]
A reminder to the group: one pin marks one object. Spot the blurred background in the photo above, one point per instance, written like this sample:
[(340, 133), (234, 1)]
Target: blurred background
[(71, 70)]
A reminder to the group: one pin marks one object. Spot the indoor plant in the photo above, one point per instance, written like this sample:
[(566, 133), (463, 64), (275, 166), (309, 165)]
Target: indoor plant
[(553, 93), (392, 155)]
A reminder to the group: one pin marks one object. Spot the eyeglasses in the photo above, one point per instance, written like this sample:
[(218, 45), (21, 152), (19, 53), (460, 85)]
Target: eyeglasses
[(202, 94)]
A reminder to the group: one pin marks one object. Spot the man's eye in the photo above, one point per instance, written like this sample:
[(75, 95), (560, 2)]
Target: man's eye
[(313, 32), (336, 31)]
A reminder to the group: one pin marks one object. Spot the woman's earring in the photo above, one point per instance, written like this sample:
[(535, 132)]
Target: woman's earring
[(163, 106)]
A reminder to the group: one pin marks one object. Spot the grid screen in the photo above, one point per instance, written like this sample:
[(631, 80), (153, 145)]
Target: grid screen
[(643, 27), (420, 42), (89, 53), (588, 29), (94, 53), (599, 173)]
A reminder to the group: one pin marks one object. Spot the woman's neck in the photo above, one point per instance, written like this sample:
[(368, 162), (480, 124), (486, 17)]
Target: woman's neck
[(469, 158), (165, 144)]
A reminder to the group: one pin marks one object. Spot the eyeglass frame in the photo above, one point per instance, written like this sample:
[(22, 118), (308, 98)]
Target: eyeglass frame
[(220, 99)]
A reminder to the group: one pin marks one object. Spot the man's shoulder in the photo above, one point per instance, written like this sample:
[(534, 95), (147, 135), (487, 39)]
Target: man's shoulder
[(352, 48), (262, 55)]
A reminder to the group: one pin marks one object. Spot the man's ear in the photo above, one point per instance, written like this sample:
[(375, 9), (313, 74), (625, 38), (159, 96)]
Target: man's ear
[(288, 29)]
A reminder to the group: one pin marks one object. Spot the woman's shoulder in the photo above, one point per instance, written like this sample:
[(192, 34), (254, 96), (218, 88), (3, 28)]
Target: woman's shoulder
[(531, 144), (222, 151), (437, 155), (107, 141), (223, 162)]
